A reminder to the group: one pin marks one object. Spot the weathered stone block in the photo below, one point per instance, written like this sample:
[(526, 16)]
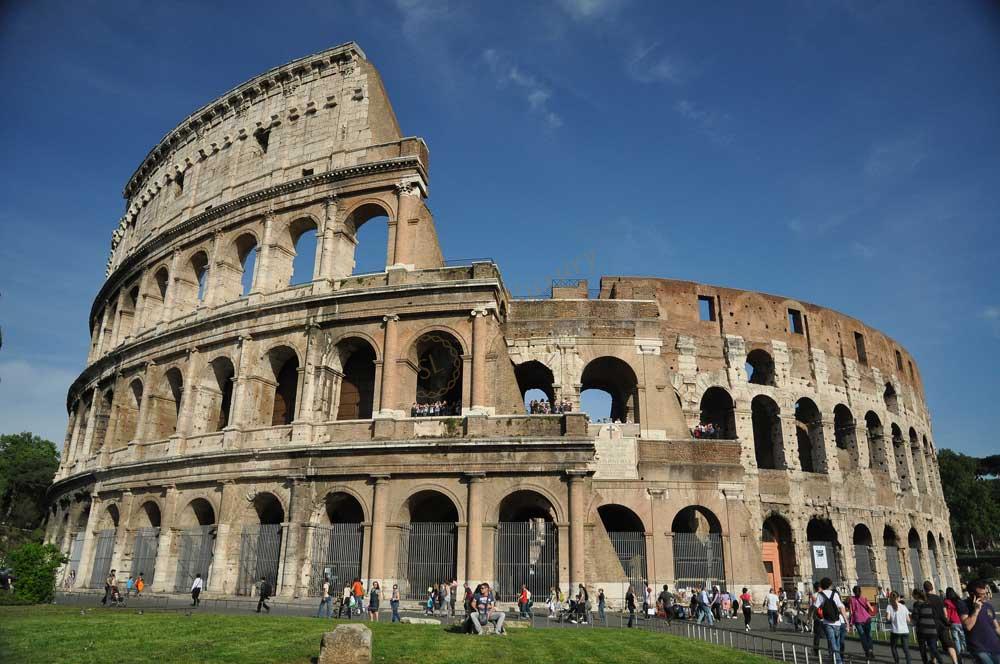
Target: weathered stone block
[(347, 644)]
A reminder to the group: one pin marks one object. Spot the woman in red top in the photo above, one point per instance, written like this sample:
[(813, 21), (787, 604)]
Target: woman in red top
[(951, 600), (747, 602), (523, 602)]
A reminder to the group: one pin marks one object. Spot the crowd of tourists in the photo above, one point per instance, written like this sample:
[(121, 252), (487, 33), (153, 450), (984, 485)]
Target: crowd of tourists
[(435, 409), (544, 407), (707, 430)]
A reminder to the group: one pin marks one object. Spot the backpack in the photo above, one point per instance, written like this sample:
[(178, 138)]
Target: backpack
[(828, 610)]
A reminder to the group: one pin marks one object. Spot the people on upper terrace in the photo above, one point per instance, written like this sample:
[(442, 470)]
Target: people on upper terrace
[(435, 409), (544, 407), (707, 430)]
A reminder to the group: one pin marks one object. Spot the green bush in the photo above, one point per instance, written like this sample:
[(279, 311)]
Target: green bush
[(8, 599), (35, 567)]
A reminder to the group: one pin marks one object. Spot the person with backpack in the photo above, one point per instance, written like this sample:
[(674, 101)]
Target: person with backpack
[(941, 617), (861, 619), (899, 627), (263, 594), (358, 592), (196, 587), (927, 628), (951, 604), (394, 602), (831, 611), (630, 605)]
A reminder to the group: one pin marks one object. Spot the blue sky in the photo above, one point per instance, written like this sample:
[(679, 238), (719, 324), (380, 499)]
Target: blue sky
[(843, 153)]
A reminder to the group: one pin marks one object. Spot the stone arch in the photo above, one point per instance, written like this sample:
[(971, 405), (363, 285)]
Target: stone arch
[(617, 378), (282, 368), (845, 437), (627, 534), (525, 493), (778, 551), (428, 541), (824, 543), (809, 436), (198, 511), (891, 399), (768, 443), (192, 282), (360, 232), (354, 358), (110, 517), (718, 409), (105, 404), (238, 268), (527, 544), (340, 506), (126, 312), (876, 442), (215, 395), (934, 560), (534, 375), (437, 353), (760, 368), (915, 546), (147, 515), (864, 556), (697, 520), (337, 540), (917, 459), (900, 452), (697, 545), (265, 508), (299, 259), (128, 414), (420, 492), (154, 296)]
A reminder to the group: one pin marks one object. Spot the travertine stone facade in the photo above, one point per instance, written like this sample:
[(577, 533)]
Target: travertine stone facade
[(233, 421)]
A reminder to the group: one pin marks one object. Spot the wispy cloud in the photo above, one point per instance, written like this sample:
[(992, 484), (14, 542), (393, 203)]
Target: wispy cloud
[(419, 15), (991, 315), (894, 158), (711, 123), (646, 64), (535, 93), (583, 10), (864, 251)]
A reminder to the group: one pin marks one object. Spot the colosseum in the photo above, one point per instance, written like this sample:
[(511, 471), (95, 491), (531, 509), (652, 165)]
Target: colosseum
[(240, 417)]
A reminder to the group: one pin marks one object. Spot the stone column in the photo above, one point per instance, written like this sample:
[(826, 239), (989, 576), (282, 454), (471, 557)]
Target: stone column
[(101, 340), (138, 322), (328, 238), (121, 535), (116, 324), (577, 517), (480, 338), (225, 568), (74, 439), (163, 581), (88, 439), (390, 381), (147, 387), (170, 297), (189, 395), (291, 563), (305, 408), (409, 198), (87, 551), (376, 559), (262, 269), (238, 406), (474, 534)]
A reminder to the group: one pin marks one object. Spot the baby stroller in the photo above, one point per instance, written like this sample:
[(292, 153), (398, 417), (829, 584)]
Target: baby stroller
[(794, 614), (117, 598)]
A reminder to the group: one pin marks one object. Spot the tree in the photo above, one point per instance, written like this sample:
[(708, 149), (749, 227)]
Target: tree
[(34, 566), (27, 466), (973, 499)]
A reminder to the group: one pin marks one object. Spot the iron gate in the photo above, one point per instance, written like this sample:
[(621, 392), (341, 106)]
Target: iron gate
[(824, 553), (103, 549), (932, 559), (426, 557), (698, 560), (336, 554), (260, 551), (631, 550), (895, 571), (75, 551), (526, 552), (864, 561), (194, 556), (144, 554), (916, 569)]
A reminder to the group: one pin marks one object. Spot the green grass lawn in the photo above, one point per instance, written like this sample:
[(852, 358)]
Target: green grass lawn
[(55, 635)]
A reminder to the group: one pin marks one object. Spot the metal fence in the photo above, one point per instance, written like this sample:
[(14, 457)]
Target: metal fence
[(336, 554), (426, 557), (932, 559), (698, 560), (144, 554), (75, 551), (260, 552), (916, 569), (526, 552), (194, 556), (895, 571), (864, 561), (828, 557), (103, 549), (631, 550)]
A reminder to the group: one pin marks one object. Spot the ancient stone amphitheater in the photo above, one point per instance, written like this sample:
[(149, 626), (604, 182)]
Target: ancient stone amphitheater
[(242, 416)]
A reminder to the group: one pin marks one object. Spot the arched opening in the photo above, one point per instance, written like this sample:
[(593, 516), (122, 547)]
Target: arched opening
[(284, 364), (899, 450), (198, 272), (101, 419), (890, 398), (155, 296), (914, 546), (146, 545), (104, 546), (824, 547), (616, 378), (876, 443), (527, 546), (628, 537), (195, 543), (698, 557), (428, 543), (128, 415), (778, 552), (809, 435), (893, 566), (357, 385), (438, 357), (760, 367), (369, 244), (260, 543), (535, 380), (126, 314), (844, 433), (215, 395), (864, 557), (302, 237), (917, 457), (718, 415), (165, 405), (932, 560), (245, 248), (767, 441), (337, 543), (83, 417)]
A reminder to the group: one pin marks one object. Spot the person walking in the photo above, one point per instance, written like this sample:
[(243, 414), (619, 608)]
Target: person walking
[(951, 603), (140, 585), (263, 594), (747, 601), (129, 586), (394, 603), (358, 593), (325, 599), (941, 619), (831, 610), (453, 594), (771, 606), (108, 582), (196, 587), (861, 619), (345, 602), (899, 627), (666, 604), (926, 624), (982, 631), (630, 605), (522, 602), (817, 624), (373, 600), (705, 607), (602, 603)]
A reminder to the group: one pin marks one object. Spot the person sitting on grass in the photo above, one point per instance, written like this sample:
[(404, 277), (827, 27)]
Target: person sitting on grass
[(483, 603)]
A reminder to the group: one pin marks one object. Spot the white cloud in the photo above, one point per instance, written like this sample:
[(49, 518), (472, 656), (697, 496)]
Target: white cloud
[(33, 398), (861, 250), (646, 65), (991, 314), (899, 157), (535, 93), (583, 10), (712, 124)]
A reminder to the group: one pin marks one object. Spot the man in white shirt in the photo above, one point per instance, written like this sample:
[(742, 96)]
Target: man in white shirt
[(704, 607), (831, 610), (325, 599), (196, 590), (771, 606)]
